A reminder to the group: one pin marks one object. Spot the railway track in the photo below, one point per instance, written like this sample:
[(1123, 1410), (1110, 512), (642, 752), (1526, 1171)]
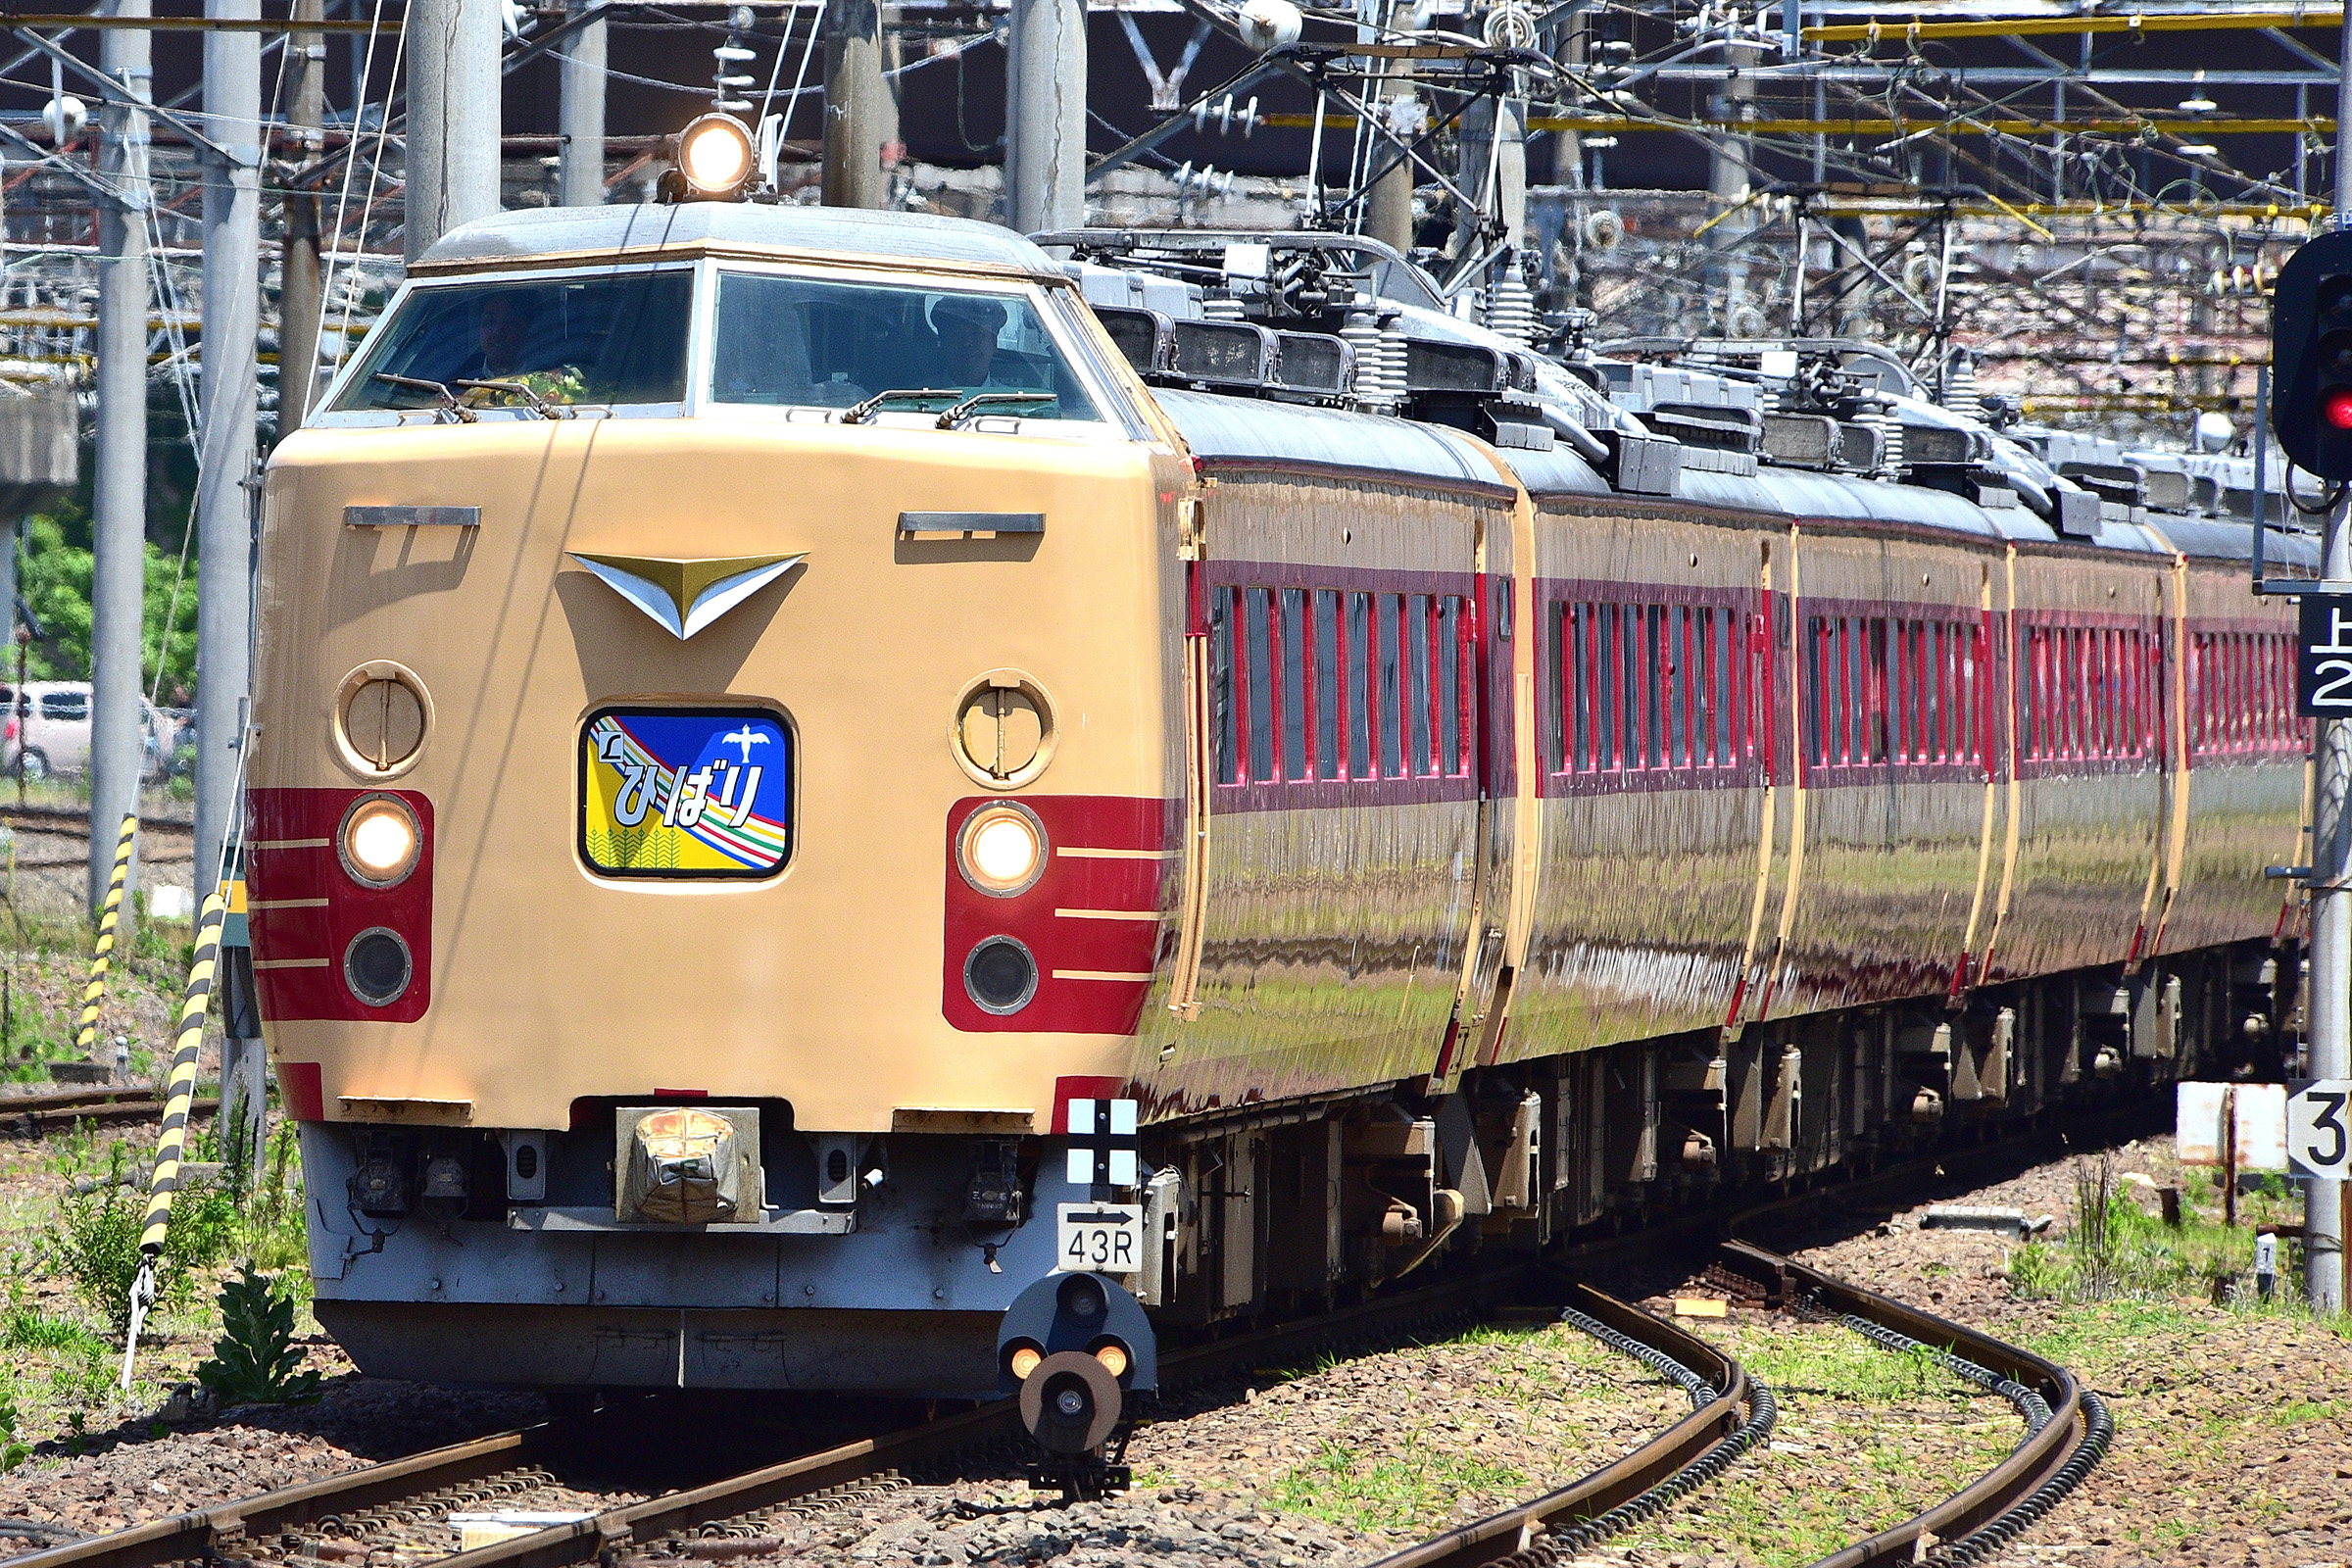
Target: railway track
[(34, 1115), (286, 1522), (1730, 1414), (2067, 1427), (162, 840), (2067, 1431)]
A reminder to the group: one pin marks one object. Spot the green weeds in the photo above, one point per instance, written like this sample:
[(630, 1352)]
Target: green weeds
[(2117, 1250), (1410, 1494), (256, 1360)]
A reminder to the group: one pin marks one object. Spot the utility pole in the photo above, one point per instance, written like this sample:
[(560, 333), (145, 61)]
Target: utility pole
[(453, 87), (580, 162), (854, 96), (2329, 1008), (1389, 205), (119, 510), (1729, 179), (1045, 116), (298, 301), (232, 244)]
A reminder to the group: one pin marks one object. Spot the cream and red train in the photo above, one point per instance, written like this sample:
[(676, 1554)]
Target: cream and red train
[(764, 709)]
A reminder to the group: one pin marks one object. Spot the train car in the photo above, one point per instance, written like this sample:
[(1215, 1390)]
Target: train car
[(842, 804)]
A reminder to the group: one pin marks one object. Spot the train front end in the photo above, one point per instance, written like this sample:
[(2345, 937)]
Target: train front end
[(707, 818)]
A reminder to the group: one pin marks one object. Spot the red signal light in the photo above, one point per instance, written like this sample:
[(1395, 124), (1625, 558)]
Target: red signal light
[(2335, 407)]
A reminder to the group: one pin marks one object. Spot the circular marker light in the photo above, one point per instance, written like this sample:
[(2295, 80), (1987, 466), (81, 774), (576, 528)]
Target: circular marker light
[(377, 967), (1025, 1360), (2337, 407), (1000, 975), (1002, 848), (1113, 1357), (379, 840), (714, 154)]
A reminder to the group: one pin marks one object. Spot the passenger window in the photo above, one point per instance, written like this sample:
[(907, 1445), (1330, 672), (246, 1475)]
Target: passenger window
[(69, 707), (806, 342)]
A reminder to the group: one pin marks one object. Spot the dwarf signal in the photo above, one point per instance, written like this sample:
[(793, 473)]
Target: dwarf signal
[(2311, 357)]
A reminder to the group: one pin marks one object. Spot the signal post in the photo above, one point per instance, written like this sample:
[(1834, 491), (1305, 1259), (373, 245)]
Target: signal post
[(2311, 412)]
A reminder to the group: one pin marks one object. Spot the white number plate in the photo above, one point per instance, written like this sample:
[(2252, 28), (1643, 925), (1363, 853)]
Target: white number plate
[(2319, 1128), (1098, 1238)]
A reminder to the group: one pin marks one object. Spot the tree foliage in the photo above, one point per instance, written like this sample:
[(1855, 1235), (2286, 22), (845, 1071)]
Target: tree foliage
[(54, 577)]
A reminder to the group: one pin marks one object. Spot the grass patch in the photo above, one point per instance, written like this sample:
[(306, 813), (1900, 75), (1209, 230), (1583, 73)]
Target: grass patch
[(1342, 1487), (1839, 1364), (2116, 1248), (1885, 1434)]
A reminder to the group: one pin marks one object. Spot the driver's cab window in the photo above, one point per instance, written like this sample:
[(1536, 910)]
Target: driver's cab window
[(806, 342)]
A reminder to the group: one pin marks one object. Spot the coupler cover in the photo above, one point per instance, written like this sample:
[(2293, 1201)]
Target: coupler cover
[(687, 1165)]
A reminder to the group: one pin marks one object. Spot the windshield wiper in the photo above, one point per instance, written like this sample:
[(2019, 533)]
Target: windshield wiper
[(875, 405), (971, 405), (539, 405), (449, 399)]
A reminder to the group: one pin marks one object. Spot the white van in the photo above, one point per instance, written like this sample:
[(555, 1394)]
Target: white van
[(47, 731)]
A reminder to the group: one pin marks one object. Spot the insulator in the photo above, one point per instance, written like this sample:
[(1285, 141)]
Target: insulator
[(1393, 353), (1511, 309), (1890, 426), (1960, 385), (1362, 334)]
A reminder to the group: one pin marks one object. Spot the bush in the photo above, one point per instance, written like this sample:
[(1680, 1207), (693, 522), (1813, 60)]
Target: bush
[(100, 1248), (256, 1360), (13, 1452)]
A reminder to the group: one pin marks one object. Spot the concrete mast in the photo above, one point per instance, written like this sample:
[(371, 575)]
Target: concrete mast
[(453, 87), (224, 493), (299, 303), (855, 95), (118, 520), (1045, 116), (2329, 1045), (580, 165)]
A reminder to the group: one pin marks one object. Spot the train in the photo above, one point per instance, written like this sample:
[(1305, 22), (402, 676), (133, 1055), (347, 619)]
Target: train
[(853, 801)]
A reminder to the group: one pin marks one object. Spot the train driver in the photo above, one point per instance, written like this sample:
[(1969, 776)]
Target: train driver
[(503, 323), (967, 329)]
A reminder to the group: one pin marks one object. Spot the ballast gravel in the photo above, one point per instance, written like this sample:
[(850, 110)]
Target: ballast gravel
[(2231, 1446)]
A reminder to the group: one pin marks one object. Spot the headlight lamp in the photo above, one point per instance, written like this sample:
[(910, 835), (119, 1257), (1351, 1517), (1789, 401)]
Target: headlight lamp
[(379, 840), (715, 156), (1002, 848)]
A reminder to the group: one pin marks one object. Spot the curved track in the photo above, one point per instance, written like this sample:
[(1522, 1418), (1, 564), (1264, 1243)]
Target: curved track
[(2067, 1429), (2067, 1432)]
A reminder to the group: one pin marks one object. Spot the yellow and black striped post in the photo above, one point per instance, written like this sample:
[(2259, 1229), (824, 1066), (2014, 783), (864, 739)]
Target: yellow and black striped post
[(85, 1039), (172, 1141), (182, 1086)]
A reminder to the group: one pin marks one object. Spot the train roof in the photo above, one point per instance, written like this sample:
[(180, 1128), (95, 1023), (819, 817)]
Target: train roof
[(1251, 431), (550, 235)]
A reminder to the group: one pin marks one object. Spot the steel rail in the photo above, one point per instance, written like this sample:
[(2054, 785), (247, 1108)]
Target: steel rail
[(206, 1532), (203, 1533), (2032, 1469), (1676, 1449), (19, 1119)]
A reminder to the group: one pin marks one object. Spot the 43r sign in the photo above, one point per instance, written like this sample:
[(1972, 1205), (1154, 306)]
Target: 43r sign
[(2319, 1128)]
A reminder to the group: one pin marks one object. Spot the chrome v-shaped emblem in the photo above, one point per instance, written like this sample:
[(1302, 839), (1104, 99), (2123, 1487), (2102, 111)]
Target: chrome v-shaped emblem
[(683, 594)]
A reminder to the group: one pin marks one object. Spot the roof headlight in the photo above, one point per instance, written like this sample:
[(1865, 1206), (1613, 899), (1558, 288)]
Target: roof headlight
[(379, 840), (717, 157), (1002, 848)]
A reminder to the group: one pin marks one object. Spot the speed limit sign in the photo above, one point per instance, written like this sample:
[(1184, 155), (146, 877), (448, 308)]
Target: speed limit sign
[(2319, 1128)]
